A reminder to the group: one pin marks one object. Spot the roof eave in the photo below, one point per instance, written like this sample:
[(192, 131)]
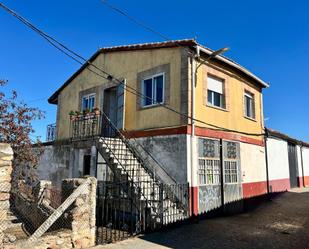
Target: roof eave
[(53, 99), (235, 65)]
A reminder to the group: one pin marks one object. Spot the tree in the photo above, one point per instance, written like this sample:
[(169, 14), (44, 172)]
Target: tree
[(16, 119)]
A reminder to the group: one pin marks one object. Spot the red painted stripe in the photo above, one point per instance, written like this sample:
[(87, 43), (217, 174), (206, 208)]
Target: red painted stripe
[(204, 132), (300, 182), (306, 181), (199, 131), (279, 185), (252, 189), (194, 202), (157, 132)]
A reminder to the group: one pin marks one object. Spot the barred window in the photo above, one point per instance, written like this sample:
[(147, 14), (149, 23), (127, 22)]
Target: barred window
[(209, 162), (231, 162), (230, 172)]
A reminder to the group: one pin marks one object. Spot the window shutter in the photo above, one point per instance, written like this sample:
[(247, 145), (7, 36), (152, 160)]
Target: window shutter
[(215, 85)]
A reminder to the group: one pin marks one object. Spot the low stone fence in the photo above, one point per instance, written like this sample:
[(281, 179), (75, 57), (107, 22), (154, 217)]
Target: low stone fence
[(74, 229), (6, 157)]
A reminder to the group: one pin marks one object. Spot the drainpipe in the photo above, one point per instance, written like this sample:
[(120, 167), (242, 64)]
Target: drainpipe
[(266, 161), (193, 139), (302, 163)]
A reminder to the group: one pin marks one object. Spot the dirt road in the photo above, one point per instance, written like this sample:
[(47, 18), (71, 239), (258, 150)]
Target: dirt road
[(281, 223)]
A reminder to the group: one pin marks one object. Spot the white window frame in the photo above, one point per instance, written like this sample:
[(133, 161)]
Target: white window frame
[(211, 101), (252, 111), (230, 174), (88, 96), (216, 162), (154, 90)]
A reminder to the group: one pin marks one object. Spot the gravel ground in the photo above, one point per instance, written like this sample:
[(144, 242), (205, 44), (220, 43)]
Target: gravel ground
[(281, 223)]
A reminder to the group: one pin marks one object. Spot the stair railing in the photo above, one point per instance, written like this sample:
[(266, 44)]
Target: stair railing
[(110, 130)]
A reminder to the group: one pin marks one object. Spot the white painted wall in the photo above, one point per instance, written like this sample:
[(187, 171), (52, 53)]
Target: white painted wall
[(306, 160), (278, 159), (54, 164), (253, 166), (299, 166), (171, 152)]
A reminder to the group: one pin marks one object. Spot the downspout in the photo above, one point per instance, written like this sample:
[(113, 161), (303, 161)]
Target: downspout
[(266, 161), (192, 142), (302, 163)]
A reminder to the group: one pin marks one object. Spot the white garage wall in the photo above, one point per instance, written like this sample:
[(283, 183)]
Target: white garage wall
[(278, 159), (306, 160), (253, 165)]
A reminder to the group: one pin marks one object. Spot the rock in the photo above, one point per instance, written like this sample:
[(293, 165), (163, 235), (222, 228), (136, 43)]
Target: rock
[(4, 196), (11, 238), (5, 149)]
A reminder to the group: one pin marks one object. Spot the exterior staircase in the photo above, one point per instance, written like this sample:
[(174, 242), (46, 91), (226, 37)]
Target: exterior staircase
[(168, 203)]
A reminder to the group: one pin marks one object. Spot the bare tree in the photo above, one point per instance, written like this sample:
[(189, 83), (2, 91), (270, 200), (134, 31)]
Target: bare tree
[(16, 127)]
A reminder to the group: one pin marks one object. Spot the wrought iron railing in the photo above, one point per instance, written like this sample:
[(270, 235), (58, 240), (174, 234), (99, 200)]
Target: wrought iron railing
[(85, 126), (109, 130), (51, 132)]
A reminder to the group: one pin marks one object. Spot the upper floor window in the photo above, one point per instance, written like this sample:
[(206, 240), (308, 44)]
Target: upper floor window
[(215, 93), (153, 90), (249, 105), (88, 102)]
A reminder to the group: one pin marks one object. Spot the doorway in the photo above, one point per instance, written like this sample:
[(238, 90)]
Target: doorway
[(293, 165), (87, 165), (113, 107)]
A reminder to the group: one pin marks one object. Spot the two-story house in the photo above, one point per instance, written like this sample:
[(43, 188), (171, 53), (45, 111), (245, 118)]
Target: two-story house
[(187, 118)]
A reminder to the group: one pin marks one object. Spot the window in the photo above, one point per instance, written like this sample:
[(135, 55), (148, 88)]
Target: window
[(153, 90), (88, 102), (249, 105), (209, 162), (230, 172), (231, 162), (215, 96)]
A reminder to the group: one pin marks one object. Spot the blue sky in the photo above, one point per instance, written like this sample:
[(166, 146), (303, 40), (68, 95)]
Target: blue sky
[(270, 38)]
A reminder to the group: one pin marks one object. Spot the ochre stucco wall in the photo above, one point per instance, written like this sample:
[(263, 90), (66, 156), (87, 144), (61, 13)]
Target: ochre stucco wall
[(127, 65), (233, 117)]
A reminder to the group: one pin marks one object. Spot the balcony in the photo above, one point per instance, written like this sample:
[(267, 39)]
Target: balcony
[(85, 126), (51, 132)]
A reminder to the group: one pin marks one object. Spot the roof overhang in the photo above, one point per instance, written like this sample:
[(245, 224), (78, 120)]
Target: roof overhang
[(191, 43), (234, 65), (280, 135)]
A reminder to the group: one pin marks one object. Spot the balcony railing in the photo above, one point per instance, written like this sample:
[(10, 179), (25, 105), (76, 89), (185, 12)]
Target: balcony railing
[(51, 134), (85, 126)]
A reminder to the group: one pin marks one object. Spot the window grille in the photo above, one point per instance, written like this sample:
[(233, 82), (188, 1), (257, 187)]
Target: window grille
[(209, 162)]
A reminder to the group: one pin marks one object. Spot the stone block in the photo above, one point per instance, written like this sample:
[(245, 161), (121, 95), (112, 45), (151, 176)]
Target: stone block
[(5, 149), (5, 187), (4, 204), (4, 196)]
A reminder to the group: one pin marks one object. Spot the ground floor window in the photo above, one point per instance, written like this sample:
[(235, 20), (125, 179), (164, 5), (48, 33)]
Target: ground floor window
[(230, 172), (209, 161), (231, 162)]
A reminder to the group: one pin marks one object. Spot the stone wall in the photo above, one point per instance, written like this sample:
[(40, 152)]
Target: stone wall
[(77, 222), (6, 157)]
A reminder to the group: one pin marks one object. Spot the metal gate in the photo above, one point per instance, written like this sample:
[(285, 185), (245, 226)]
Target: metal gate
[(232, 187), (122, 211), (293, 165), (219, 176)]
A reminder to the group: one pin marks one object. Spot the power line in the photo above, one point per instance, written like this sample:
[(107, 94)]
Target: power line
[(133, 19), (78, 58)]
